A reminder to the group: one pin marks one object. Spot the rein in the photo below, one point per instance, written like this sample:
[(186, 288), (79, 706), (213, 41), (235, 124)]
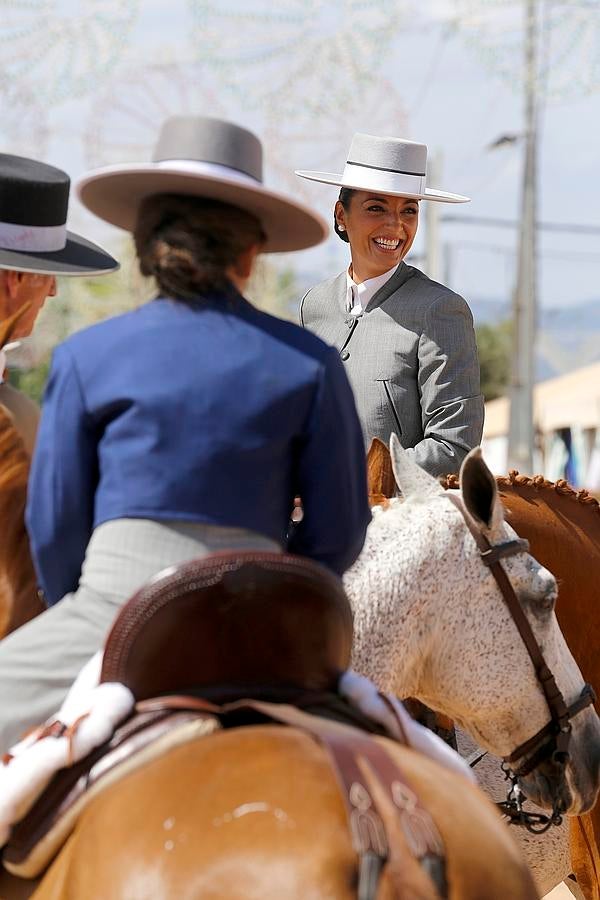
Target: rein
[(551, 742)]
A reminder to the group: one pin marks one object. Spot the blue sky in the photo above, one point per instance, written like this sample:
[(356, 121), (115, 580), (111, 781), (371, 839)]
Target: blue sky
[(87, 82)]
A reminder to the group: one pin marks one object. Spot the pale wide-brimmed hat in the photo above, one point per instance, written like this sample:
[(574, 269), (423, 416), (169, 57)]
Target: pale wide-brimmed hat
[(34, 199), (203, 157), (388, 165)]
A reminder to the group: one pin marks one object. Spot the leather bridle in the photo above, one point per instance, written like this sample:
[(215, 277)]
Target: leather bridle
[(551, 743)]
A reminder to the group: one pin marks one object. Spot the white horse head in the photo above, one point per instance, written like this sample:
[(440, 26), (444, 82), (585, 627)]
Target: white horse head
[(430, 622)]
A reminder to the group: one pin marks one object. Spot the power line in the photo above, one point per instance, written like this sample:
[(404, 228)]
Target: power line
[(572, 228), (501, 250)]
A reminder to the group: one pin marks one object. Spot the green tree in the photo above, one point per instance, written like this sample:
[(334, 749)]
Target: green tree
[(494, 346), (31, 381), (274, 289)]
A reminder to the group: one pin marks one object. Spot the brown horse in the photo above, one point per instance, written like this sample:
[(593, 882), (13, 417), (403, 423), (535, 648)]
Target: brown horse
[(257, 810), (563, 529)]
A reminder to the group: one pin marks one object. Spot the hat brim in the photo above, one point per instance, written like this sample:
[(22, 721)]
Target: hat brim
[(78, 257), (430, 194), (114, 193)]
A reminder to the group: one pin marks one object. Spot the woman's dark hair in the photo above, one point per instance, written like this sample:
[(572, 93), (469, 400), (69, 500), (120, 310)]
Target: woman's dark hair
[(188, 243), (345, 198)]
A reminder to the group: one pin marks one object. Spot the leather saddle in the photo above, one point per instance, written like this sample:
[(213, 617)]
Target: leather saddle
[(271, 627), (245, 619)]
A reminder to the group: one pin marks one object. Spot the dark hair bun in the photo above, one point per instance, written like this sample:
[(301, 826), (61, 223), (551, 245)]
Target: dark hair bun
[(189, 243)]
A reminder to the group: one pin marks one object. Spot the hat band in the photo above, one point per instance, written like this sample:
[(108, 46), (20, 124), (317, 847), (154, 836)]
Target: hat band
[(383, 180), (32, 238), (208, 170)]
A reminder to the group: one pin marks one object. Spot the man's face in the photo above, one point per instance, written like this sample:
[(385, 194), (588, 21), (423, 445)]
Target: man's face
[(19, 288)]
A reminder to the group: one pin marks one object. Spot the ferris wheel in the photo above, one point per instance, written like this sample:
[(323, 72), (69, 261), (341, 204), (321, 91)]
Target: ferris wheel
[(263, 49), (24, 120), (59, 52), (318, 135), (568, 35), (125, 118)]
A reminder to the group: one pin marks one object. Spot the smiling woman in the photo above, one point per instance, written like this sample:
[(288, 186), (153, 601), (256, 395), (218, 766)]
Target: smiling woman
[(407, 342), (379, 229)]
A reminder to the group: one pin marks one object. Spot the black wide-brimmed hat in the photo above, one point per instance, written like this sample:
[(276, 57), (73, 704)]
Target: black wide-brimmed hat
[(34, 198), (198, 156)]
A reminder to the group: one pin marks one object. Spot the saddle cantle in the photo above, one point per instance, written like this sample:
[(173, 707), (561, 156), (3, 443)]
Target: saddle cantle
[(233, 618)]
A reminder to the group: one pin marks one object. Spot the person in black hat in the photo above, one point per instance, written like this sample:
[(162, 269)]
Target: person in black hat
[(35, 247), (186, 426)]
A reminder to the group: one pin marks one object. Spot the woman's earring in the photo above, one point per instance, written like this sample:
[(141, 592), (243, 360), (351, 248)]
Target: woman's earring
[(341, 227)]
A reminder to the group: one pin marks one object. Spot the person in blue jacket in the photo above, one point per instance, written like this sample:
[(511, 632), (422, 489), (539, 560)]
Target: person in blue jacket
[(187, 426)]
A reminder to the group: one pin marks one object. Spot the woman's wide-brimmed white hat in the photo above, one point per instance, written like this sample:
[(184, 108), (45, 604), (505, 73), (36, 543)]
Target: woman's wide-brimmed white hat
[(386, 164), (203, 157)]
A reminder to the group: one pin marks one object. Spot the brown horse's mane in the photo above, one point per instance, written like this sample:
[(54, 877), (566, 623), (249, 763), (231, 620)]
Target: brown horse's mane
[(539, 483), (18, 597), (382, 484), (15, 460)]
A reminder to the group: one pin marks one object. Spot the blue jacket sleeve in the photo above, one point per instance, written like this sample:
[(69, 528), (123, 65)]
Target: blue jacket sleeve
[(331, 475), (62, 484)]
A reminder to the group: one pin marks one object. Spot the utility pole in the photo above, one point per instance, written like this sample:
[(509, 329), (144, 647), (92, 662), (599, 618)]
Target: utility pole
[(433, 261), (521, 426)]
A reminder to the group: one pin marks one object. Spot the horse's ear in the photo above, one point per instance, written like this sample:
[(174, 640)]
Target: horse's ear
[(480, 491), (380, 476), (412, 480)]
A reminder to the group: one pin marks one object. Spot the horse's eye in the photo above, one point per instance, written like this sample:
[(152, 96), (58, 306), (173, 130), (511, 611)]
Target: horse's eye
[(547, 600)]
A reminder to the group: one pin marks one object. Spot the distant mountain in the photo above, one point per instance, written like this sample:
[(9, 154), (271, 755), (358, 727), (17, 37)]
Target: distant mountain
[(489, 312), (568, 338)]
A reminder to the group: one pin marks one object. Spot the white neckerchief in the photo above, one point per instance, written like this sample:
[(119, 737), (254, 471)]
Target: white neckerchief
[(358, 295)]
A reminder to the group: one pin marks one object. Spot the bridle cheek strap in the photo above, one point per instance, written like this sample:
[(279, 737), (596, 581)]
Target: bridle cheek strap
[(560, 725)]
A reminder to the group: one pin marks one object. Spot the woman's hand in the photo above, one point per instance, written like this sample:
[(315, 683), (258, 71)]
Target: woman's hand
[(298, 511)]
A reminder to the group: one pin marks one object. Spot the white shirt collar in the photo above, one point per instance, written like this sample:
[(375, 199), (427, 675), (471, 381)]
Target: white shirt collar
[(359, 295), (12, 346)]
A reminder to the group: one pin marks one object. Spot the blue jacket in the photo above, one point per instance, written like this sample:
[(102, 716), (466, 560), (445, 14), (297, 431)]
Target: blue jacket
[(218, 414)]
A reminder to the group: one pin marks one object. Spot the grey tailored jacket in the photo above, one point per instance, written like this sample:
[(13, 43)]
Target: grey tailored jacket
[(412, 362)]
